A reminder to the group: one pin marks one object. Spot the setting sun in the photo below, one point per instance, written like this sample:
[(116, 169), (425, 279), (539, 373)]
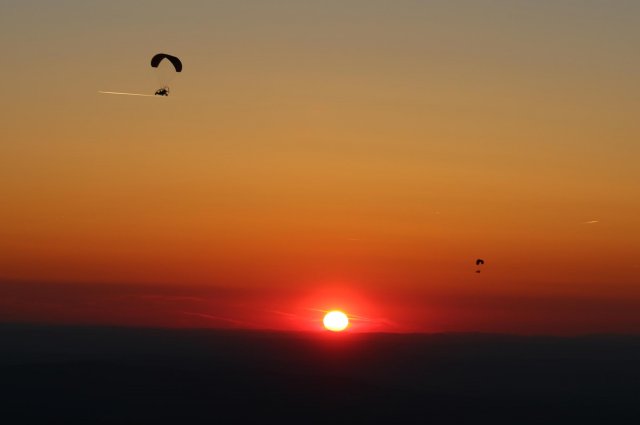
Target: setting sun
[(335, 321)]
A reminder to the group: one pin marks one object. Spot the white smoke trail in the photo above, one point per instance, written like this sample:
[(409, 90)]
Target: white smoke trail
[(126, 94)]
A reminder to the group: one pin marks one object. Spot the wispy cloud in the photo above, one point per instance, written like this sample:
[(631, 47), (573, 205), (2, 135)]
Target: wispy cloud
[(172, 298), (217, 318)]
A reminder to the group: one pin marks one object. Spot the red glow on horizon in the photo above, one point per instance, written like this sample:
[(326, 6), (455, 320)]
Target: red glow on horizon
[(286, 310)]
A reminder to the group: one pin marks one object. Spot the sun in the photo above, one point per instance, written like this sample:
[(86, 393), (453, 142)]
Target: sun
[(335, 321)]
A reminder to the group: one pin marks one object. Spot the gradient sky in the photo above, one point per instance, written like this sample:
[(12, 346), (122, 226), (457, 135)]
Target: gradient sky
[(323, 154)]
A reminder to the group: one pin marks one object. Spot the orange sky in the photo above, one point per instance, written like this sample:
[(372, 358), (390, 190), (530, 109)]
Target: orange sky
[(375, 147)]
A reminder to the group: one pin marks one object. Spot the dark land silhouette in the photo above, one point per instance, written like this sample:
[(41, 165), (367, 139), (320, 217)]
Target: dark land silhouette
[(108, 375)]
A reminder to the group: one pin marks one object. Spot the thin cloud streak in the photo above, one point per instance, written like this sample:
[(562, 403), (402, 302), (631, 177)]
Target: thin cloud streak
[(218, 318)]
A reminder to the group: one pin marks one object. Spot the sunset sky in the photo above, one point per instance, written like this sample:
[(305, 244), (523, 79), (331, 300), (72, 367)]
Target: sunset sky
[(314, 155)]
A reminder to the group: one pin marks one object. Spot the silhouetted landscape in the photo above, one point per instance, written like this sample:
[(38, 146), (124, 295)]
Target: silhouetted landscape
[(76, 374)]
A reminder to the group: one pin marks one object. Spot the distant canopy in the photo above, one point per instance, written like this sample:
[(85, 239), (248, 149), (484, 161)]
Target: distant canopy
[(479, 262), (155, 61)]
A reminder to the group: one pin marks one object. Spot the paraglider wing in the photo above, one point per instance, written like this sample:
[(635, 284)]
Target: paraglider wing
[(479, 262), (177, 64)]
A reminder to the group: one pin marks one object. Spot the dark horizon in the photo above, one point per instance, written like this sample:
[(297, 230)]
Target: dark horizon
[(88, 374), (311, 333)]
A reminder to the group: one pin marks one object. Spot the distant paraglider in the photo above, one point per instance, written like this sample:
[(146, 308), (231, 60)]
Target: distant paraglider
[(167, 66), (479, 262)]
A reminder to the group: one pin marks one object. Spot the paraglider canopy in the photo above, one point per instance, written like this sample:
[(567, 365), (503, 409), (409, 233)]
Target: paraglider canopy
[(167, 67), (479, 262), (177, 64)]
